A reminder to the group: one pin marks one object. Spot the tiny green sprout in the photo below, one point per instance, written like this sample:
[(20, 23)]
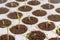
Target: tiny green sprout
[(49, 22), (58, 30), (19, 17), (29, 18), (27, 36)]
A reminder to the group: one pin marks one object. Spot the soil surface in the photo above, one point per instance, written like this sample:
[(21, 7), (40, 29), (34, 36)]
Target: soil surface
[(30, 20), (47, 26), (3, 1), (3, 10), (47, 6), (54, 1), (18, 29), (36, 35), (12, 4), (7, 37), (57, 10), (25, 8), (54, 38), (55, 18), (33, 2), (13, 15), (5, 23), (39, 13)]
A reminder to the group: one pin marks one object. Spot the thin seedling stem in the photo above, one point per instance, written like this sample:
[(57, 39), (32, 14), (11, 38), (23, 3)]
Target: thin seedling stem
[(29, 18), (58, 33), (49, 4), (18, 17), (3, 22), (7, 33), (25, 4), (18, 20)]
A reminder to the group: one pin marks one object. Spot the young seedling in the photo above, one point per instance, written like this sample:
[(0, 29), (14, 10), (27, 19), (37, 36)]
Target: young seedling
[(29, 18), (49, 4), (3, 23), (19, 17), (49, 23), (25, 4), (27, 36), (58, 31)]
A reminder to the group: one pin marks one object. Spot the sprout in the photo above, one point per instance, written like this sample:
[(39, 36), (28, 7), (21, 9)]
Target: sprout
[(49, 23), (29, 18), (58, 30), (19, 17), (27, 36)]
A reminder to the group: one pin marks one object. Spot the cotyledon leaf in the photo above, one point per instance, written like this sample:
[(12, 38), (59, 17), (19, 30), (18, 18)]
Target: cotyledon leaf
[(19, 17), (49, 22), (27, 36), (58, 30)]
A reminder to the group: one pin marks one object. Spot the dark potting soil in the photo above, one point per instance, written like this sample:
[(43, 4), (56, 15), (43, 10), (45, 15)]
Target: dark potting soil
[(18, 29), (36, 35), (55, 18), (57, 10), (5, 23), (25, 8), (13, 15), (12, 4), (54, 38), (39, 13), (47, 26), (30, 20), (34, 3), (3, 1), (6, 37), (47, 6), (3, 10), (54, 1)]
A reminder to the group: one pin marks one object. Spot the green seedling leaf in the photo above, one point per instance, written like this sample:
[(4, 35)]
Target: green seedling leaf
[(19, 17), (27, 36), (58, 30), (49, 23)]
